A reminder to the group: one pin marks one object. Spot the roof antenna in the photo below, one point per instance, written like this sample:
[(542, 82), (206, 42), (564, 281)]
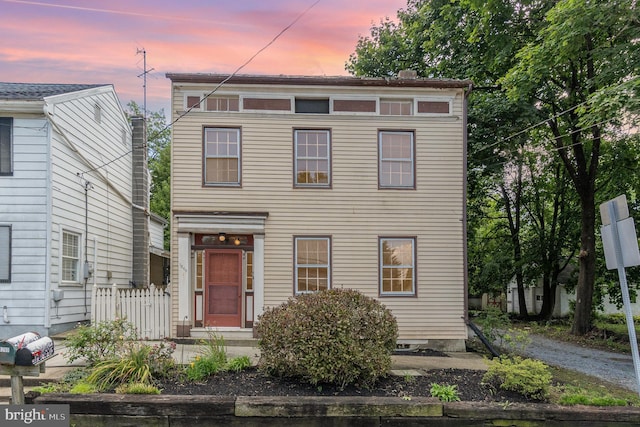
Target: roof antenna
[(144, 79)]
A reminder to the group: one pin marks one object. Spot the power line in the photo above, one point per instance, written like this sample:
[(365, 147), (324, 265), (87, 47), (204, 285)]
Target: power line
[(247, 62)]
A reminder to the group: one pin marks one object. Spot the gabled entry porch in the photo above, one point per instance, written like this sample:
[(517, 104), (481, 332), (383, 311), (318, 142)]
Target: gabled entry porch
[(220, 273)]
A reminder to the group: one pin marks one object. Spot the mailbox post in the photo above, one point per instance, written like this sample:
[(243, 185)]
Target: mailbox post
[(24, 356)]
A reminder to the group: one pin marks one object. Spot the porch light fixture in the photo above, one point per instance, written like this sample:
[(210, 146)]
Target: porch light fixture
[(237, 241), (222, 237)]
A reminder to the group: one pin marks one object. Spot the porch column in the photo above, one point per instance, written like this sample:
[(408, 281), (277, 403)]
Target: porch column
[(258, 275), (184, 257)]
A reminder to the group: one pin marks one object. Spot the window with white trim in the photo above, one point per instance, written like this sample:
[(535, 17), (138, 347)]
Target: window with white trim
[(70, 256), (396, 107), (222, 156), (396, 159), (312, 264), (6, 145), (312, 158), (5, 253), (397, 266), (222, 103)]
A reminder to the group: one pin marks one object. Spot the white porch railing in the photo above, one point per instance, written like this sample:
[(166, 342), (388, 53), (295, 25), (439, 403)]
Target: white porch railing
[(149, 310)]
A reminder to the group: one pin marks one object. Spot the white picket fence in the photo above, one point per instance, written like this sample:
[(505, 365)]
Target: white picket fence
[(149, 310)]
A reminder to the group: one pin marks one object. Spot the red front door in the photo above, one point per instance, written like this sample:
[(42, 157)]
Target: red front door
[(223, 287)]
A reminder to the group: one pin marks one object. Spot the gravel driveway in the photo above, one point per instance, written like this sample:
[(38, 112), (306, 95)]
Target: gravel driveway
[(613, 367)]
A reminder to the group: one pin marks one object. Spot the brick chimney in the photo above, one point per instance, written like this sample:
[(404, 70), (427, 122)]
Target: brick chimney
[(140, 199)]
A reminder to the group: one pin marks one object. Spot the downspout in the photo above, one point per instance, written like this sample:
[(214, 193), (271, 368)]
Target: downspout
[(465, 255), (48, 231)]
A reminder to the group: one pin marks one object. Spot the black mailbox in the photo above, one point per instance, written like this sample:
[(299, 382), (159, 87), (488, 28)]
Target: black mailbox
[(9, 347), (35, 352)]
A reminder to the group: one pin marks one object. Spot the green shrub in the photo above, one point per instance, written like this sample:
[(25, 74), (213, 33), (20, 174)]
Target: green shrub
[(161, 361), (529, 377), (237, 364), (131, 367), (212, 359), (338, 336), (578, 396), (446, 393), (137, 388), (83, 388), (99, 342)]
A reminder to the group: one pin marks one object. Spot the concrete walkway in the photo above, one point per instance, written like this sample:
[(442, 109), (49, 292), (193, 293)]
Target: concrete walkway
[(58, 366)]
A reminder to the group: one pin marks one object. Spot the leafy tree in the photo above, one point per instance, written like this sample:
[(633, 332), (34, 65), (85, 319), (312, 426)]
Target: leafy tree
[(583, 50), (159, 149)]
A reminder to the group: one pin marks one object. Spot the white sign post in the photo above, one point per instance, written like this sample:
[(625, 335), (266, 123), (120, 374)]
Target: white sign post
[(620, 251)]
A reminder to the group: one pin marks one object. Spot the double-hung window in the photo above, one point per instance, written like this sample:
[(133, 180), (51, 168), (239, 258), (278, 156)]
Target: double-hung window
[(70, 256), (222, 156), (312, 264), (397, 266), (6, 143), (312, 158), (396, 168), (5, 253)]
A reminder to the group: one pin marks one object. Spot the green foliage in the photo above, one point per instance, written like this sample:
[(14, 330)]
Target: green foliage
[(529, 377), (83, 387), (578, 396), (137, 388), (338, 336), (160, 360), (444, 392), (130, 366), (238, 364), (212, 359), (98, 342)]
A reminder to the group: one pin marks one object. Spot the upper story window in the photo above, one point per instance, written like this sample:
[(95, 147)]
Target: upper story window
[(312, 264), (193, 101), (222, 103), (396, 159), (396, 107), (312, 106), (397, 266), (5, 253), (6, 145), (70, 256), (222, 156), (312, 158)]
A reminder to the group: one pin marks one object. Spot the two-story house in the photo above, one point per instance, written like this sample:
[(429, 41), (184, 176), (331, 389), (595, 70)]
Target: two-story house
[(283, 185), (68, 203)]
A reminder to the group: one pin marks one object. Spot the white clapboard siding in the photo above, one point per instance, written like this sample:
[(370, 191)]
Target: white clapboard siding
[(147, 309)]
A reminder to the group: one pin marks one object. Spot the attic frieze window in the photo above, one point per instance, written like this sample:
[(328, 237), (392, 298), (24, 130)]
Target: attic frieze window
[(312, 106)]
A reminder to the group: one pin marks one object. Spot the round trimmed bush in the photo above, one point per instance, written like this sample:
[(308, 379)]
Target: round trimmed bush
[(338, 336)]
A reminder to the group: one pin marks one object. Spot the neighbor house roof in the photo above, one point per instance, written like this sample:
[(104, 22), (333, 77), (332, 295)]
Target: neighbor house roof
[(319, 80), (38, 91)]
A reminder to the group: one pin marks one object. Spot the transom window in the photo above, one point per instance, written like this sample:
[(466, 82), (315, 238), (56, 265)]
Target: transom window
[(312, 158), (70, 256), (222, 103), (6, 150), (397, 266), (396, 107), (5, 253), (396, 164), (312, 264), (222, 156)]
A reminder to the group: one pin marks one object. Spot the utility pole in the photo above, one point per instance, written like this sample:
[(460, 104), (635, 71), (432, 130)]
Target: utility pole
[(144, 80)]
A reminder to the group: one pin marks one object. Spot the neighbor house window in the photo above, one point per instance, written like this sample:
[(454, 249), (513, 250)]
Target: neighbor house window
[(70, 256), (396, 107), (5, 253), (222, 103), (396, 159), (397, 266), (312, 264), (6, 143), (222, 156), (312, 158)]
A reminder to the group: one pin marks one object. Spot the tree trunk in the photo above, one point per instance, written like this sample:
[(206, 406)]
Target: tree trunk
[(586, 278)]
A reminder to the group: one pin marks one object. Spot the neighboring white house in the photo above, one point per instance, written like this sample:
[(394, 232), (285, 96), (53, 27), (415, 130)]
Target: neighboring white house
[(66, 202), (283, 185)]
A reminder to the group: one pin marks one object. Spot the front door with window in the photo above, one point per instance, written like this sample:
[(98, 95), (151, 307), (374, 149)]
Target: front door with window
[(223, 288)]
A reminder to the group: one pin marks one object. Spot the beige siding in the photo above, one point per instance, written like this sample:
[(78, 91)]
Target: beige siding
[(354, 212)]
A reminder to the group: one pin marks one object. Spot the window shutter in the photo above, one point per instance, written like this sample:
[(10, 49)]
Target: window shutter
[(5, 253)]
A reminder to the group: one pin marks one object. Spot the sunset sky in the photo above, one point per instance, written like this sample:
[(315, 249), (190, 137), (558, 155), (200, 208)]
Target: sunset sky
[(91, 41)]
